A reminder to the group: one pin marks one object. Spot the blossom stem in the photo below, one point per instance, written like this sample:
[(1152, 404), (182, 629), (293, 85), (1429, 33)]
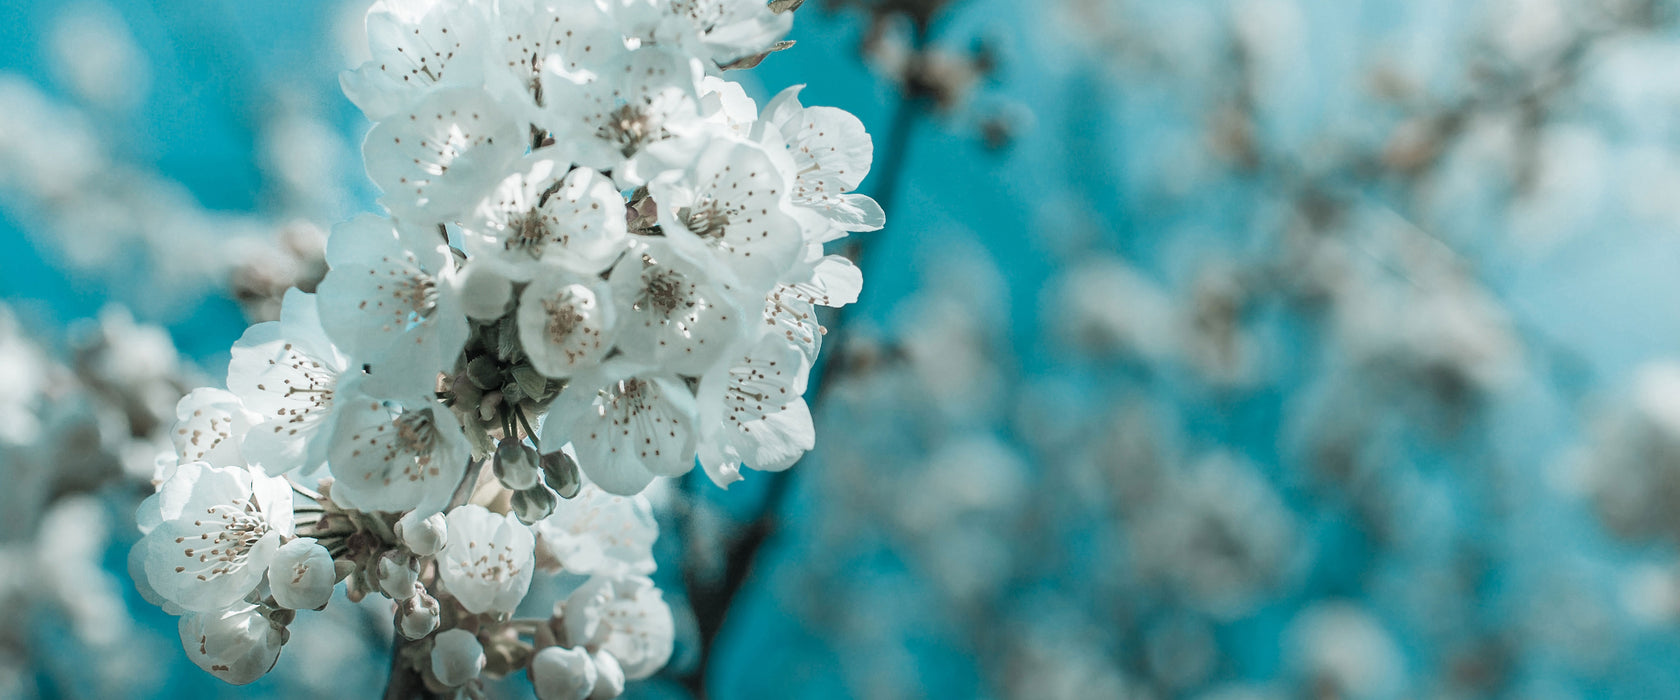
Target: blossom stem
[(464, 490), (404, 682), (525, 423)]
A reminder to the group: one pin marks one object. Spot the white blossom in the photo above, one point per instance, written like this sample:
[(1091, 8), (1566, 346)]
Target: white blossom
[(728, 212), (583, 225), (219, 529), (831, 154), (597, 532), (301, 576), (565, 324), (388, 303), (544, 217), (395, 455), (628, 426), (435, 160), (533, 41), (237, 644), (765, 423), (718, 30), (672, 313), (624, 616), (416, 46), (607, 117), (488, 561), (789, 309)]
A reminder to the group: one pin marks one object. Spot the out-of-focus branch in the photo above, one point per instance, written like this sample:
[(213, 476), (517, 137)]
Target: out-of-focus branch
[(712, 600)]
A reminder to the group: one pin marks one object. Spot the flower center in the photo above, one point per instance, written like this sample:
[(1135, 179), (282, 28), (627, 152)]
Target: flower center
[(529, 233), (419, 294), (662, 290), (226, 548), (629, 127), (706, 219)]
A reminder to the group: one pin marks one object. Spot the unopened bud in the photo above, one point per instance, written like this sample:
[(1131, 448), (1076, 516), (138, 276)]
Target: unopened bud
[(534, 504), (609, 676), (516, 465), (397, 574), (423, 536), (484, 293), (558, 673), (457, 657), (562, 473), (417, 615)]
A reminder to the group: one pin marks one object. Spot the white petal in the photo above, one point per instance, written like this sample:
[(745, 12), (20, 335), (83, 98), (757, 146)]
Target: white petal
[(537, 219), (286, 371), (210, 426), (414, 49), (301, 575), (597, 532)]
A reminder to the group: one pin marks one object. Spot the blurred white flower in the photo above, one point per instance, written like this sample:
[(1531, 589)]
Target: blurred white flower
[(597, 532), (624, 616), (559, 673)]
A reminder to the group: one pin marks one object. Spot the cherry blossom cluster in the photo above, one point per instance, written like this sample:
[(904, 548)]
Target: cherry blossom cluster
[(600, 265)]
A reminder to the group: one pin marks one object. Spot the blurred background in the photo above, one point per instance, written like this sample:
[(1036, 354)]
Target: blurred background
[(1221, 349)]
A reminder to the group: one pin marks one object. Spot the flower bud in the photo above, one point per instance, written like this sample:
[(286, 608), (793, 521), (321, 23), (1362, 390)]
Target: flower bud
[(609, 676), (417, 615), (534, 504), (516, 465), (484, 293), (457, 657), (397, 574), (423, 536), (558, 673), (562, 473), (237, 645)]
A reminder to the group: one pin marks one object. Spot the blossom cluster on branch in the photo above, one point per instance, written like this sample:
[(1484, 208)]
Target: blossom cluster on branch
[(599, 266)]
